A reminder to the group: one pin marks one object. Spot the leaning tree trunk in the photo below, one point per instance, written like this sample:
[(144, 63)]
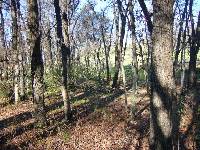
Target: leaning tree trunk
[(37, 68), (198, 33), (163, 84)]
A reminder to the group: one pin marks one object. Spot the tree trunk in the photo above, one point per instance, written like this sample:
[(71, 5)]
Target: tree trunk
[(163, 84), (20, 48), (183, 59), (106, 52), (193, 50), (61, 10), (198, 33), (147, 15), (37, 68), (179, 35), (2, 44), (117, 50), (134, 54), (15, 42), (47, 45), (119, 41)]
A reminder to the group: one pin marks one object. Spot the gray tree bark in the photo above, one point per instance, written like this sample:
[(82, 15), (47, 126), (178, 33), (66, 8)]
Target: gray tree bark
[(163, 84), (134, 54), (3, 71), (15, 46)]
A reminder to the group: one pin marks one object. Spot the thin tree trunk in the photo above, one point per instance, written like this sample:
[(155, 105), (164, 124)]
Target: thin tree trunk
[(20, 48), (183, 59), (106, 52), (193, 51), (117, 50), (150, 43), (37, 68), (15, 42), (2, 44), (120, 40), (63, 41), (179, 35), (134, 54), (147, 15), (48, 45)]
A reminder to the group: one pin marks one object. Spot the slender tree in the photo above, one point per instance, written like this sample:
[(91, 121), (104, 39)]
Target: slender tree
[(117, 51), (63, 41), (15, 47), (2, 40), (192, 77), (37, 68), (178, 45), (120, 33), (134, 54)]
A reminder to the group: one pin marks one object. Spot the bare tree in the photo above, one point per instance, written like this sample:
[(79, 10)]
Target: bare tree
[(134, 54), (120, 33), (37, 68), (2, 41), (193, 50), (15, 46), (61, 10)]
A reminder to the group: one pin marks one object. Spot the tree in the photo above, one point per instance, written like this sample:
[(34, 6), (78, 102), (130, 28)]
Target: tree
[(163, 84), (106, 47), (184, 15), (37, 68), (120, 33), (194, 48), (61, 10), (134, 54), (2, 40), (15, 47)]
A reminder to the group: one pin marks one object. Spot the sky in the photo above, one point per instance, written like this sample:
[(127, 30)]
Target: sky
[(101, 5)]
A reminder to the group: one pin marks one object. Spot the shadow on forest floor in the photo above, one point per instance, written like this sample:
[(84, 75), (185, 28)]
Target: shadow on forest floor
[(92, 98)]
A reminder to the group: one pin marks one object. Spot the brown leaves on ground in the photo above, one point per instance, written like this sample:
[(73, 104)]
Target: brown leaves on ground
[(100, 122)]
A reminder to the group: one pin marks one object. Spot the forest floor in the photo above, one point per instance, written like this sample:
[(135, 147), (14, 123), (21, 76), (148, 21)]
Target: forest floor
[(100, 122)]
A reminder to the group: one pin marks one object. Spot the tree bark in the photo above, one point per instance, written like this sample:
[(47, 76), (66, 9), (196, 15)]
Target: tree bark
[(117, 50), (179, 35), (61, 10), (119, 41), (106, 52), (2, 43), (15, 42), (37, 68), (147, 15), (163, 84), (134, 54), (192, 77)]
